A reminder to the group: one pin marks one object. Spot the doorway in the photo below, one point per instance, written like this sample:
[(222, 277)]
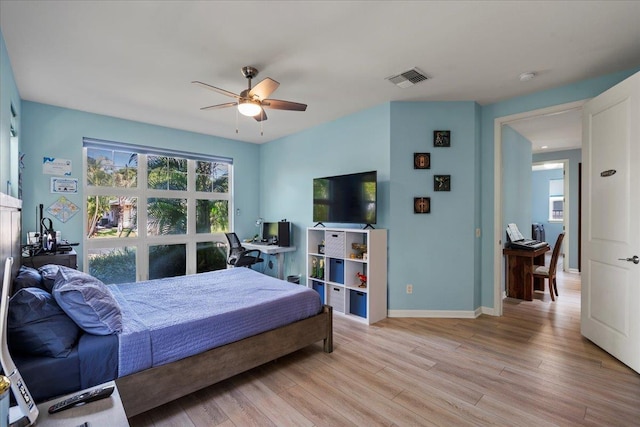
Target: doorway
[(498, 188)]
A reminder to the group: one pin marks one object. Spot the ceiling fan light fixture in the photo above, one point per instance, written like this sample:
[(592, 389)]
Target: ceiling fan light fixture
[(249, 108)]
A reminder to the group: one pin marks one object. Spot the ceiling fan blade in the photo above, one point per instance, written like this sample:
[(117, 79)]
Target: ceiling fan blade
[(215, 107), (261, 117), (278, 104), (216, 89), (263, 89)]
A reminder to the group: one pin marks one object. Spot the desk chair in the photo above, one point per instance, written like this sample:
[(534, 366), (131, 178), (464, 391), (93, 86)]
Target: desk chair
[(238, 255), (544, 272)]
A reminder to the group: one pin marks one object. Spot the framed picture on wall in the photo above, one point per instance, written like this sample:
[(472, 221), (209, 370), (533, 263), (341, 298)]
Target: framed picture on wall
[(422, 160), (442, 183), (441, 138), (421, 205)]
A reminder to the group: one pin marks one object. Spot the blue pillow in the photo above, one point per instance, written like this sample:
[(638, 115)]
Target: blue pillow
[(36, 325), (87, 301), (48, 272), (27, 277)]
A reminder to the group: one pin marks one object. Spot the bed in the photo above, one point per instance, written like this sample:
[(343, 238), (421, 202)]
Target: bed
[(161, 355)]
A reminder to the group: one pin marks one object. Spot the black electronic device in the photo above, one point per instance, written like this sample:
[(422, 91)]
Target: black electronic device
[(277, 233), (82, 398), (516, 240), (346, 198)]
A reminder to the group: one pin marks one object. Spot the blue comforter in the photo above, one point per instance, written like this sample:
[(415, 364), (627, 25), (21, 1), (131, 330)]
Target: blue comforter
[(169, 319)]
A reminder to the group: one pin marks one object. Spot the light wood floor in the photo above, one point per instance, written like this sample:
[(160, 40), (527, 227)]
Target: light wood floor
[(530, 367)]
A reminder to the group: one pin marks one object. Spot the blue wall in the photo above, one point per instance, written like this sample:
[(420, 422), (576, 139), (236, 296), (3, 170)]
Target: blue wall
[(421, 251), (357, 143), (434, 252), (516, 181), (8, 95), (57, 132), (575, 158)]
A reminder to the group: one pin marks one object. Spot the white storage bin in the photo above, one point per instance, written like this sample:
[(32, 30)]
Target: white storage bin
[(334, 244), (336, 298)]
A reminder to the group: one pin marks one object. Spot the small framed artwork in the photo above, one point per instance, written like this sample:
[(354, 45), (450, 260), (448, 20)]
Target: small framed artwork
[(421, 205), (441, 138), (422, 160), (442, 183)]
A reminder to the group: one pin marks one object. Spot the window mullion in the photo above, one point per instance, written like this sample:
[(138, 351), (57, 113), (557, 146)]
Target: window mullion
[(142, 251), (191, 217)]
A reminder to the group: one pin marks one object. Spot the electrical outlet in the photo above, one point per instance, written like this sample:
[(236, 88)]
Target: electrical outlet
[(409, 289), (477, 232)]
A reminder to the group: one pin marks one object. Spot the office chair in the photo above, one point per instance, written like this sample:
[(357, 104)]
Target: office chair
[(238, 255), (543, 272)]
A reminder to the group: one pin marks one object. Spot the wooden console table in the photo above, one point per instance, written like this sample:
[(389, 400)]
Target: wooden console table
[(519, 271)]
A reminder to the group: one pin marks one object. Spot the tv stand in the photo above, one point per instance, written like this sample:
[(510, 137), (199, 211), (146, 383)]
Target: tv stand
[(369, 226), (318, 224)]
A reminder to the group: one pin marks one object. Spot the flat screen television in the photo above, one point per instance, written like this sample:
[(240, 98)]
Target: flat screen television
[(346, 198)]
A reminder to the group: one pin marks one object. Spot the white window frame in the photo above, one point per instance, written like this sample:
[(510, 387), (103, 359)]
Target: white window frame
[(556, 194), (143, 241), (555, 199)]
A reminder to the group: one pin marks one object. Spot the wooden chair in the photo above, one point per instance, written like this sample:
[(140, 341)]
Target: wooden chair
[(544, 272)]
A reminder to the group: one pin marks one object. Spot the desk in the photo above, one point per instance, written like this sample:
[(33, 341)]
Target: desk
[(278, 251), (104, 412), (519, 271)]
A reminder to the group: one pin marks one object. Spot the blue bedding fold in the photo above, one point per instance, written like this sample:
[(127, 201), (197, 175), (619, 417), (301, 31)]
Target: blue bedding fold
[(98, 357), (93, 361), (169, 319), (48, 377)]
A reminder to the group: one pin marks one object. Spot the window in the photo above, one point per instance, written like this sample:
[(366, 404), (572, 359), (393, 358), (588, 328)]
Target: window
[(152, 213), (556, 200)]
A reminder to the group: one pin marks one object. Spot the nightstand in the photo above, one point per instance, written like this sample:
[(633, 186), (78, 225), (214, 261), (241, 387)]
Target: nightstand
[(68, 259), (104, 412)]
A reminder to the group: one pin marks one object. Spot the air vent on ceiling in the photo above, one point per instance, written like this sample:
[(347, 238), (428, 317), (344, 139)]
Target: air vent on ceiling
[(408, 78)]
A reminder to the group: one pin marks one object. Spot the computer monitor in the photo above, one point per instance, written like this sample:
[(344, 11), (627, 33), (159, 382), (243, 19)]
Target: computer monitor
[(269, 230), (277, 232)]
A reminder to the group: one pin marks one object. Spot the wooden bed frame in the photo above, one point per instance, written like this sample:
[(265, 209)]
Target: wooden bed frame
[(156, 386), (153, 387)]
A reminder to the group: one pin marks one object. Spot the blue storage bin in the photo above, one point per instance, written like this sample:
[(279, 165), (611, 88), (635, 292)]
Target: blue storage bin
[(358, 303), (319, 288), (336, 270)]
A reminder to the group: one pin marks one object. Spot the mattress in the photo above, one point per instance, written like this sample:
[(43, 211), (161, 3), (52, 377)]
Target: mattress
[(169, 319)]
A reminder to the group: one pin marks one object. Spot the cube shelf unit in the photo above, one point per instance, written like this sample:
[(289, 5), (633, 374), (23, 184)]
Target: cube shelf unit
[(337, 282)]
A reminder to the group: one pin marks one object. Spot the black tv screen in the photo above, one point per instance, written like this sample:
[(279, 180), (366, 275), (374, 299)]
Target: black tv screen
[(346, 198)]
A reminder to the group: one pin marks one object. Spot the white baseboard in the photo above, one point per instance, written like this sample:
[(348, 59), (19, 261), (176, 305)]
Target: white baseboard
[(443, 314)]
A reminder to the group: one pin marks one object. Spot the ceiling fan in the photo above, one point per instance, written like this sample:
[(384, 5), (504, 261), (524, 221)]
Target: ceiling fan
[(253, 101)]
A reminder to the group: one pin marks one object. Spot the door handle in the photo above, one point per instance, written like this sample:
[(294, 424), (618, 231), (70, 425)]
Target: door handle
[(634, 259)]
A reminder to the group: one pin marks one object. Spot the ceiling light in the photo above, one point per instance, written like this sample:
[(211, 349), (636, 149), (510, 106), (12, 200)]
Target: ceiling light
[(525, 77), (544, 147), (249, 108)]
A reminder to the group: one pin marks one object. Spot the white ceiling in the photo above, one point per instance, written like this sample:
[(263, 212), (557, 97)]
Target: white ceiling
[(553, 132), (135, 60)]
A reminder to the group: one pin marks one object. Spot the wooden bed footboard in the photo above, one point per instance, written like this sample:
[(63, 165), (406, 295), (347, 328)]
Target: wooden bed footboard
[(155, 386)]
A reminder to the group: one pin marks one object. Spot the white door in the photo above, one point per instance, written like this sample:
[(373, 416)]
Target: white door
[(611, 221)]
